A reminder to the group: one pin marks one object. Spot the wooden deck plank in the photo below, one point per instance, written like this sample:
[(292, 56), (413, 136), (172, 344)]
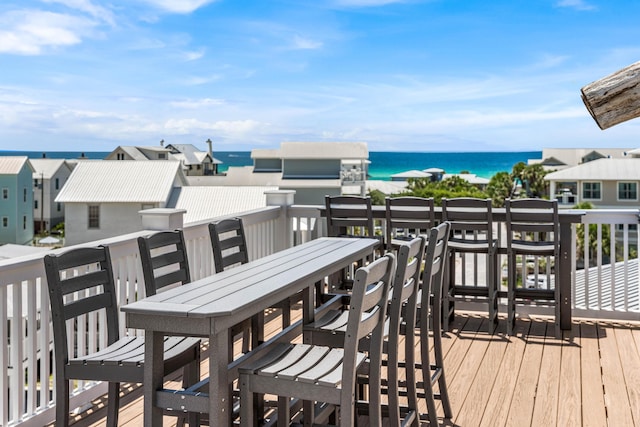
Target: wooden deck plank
[(615, 392), (521, 408), (630, 361), (496, 414), (592, 396), (491, 352), (545, 410), (569, 408), (596, 376)]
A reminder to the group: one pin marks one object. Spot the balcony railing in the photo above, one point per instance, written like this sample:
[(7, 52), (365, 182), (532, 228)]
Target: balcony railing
[(600, 290)]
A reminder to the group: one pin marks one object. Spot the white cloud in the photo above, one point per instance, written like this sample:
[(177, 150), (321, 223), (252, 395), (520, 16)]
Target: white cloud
[(576, 4), (198, 103), (194, 126), (179, 6), (29, 32), (88, 7), (194, 54), (300, 42)]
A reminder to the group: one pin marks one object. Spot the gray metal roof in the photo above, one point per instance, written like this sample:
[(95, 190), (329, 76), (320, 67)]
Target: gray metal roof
[(12, 165), (206, 202), (121, 181), (47, 167), (627, 169)]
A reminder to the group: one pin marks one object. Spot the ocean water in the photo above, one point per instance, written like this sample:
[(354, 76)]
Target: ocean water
[(383, 164)]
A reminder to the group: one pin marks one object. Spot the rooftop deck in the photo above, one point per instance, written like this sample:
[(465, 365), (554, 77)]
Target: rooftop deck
[(531, 379)]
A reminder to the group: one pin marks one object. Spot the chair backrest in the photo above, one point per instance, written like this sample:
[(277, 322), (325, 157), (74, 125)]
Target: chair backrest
[(164, 260), (433, 275), (532, 223), (349, 216), (367, 314), (405, 284), (87, 273), (228, 243), (471, 219), (412, 215)]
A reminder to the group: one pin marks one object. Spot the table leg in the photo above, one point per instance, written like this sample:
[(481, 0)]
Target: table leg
[(220, 400), (153, 376)]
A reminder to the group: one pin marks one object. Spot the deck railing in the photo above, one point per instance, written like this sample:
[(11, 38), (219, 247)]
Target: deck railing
[(599, 290)]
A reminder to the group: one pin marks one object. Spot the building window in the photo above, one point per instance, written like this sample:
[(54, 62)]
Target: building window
[(5, 221), (24, 195), (94, 216), (146, 206), (57, 183), (5, 193), (591, 191), (162, 155), (24, 222), (35, 183), (627, 191), (35, 204), (59, 207)]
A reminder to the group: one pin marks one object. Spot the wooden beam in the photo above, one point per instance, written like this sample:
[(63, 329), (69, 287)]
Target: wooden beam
[(615, 98)]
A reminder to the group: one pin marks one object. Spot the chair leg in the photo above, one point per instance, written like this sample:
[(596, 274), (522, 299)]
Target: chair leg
[(511, 295), (246, 398), (286, 314), (113, 404), (190, 376), (492, 289), (62, 401)]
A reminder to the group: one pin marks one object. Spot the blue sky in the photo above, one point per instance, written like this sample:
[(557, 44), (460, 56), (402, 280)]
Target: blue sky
[(401, 75)]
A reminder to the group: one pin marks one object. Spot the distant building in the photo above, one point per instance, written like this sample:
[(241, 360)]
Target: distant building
[(16, 200), (562, 158), (605, 183), (194, 162), (312, 169), (49, 177), (103, 198)]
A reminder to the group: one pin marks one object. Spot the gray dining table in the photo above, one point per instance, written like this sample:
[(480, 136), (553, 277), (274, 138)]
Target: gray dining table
[(209, 307)]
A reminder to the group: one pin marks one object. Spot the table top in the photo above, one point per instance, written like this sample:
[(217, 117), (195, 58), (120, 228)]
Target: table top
[(256, 285)]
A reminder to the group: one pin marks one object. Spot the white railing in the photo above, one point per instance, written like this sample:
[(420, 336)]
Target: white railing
[(24, 310), (606, 290), (606, 286)]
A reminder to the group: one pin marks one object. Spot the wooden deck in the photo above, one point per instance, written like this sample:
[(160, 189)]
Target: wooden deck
[(531, 379)]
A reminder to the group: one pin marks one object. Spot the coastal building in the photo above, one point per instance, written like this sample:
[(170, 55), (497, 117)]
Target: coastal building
[(311, 169), (194, 162), (403, 176), (49, 177), (16, 200), (103, 198), (562, 158), (605, 183)]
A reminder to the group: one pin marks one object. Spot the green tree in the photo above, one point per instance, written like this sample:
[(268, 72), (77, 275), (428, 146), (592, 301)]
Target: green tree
[(500, 188), (604, 241), (451, 187)]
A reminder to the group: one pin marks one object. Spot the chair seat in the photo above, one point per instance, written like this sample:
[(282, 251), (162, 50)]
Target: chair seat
[(111, 363), (480, 246), (304, 363), (531, 248)]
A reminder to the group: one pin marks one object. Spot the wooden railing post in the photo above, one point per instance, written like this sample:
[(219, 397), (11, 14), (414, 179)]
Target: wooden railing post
[(284, 228)]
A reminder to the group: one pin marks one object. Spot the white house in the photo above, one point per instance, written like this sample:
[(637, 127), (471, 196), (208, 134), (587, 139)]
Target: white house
[(16, 200), (194, 162), (49, 176), (605, 183), (103, 198)]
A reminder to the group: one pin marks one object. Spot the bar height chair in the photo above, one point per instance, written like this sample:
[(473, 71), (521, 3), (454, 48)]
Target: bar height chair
[(430, 320), (87, 273), (348, 216), (229, 245), (533, 230), (317, 373), (471, 233), (406, 218)]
